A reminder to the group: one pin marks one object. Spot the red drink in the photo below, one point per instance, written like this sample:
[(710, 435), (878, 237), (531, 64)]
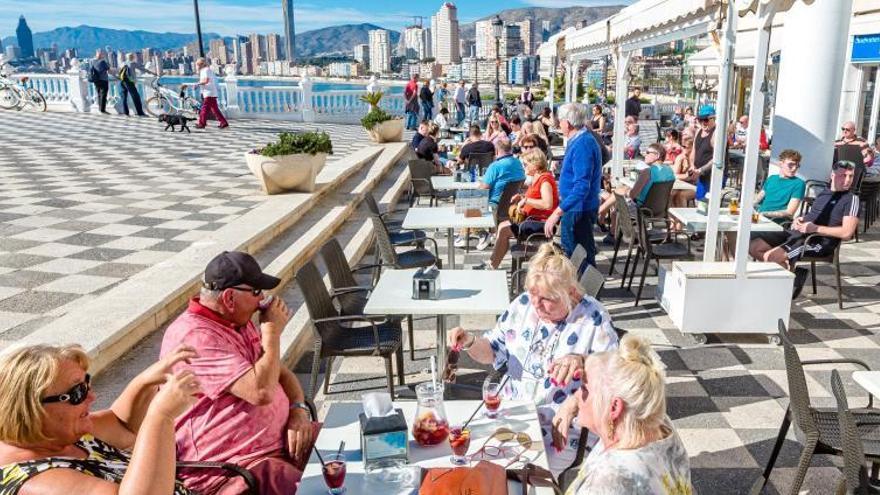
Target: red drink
[(460, 441), (493, 402), (492, 398), (428, 430), (334, 473)]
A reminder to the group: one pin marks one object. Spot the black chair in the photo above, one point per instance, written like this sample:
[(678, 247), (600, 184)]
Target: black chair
[(398, 235), (502, 212), (592, 281), (373, 206), (420, 173), (660, 251), (818, 429), (481, 161), (832, 258), (336, 335), (855, 474)]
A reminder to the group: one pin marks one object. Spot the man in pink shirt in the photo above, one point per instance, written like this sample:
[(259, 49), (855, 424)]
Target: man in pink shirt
[(252, 412)]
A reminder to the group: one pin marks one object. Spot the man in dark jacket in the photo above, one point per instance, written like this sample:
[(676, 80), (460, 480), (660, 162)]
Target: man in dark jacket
[(634, 104), (475, 102), (99, 76), (426, 97)]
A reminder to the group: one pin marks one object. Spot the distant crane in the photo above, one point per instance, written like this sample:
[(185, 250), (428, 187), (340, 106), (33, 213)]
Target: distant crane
[(418, 20)]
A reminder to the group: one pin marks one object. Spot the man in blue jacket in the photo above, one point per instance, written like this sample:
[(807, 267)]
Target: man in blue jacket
[(579, 184)]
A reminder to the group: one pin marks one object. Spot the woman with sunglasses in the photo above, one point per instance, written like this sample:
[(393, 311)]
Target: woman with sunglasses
[(623, 401), (542, 339), (494, 132), (541, 198), (51, 443)]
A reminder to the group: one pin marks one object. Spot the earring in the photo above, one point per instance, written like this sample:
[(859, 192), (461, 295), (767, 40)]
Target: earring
[(611, 429)]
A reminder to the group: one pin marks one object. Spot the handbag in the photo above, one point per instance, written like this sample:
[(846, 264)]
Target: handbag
[(516, 214), (485, 478), (535, 476)]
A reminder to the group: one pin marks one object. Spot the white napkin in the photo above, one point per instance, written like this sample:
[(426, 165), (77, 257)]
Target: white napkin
[(377, 404)]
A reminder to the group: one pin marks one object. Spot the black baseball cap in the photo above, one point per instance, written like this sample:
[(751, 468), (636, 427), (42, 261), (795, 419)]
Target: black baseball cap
[(231, 268)]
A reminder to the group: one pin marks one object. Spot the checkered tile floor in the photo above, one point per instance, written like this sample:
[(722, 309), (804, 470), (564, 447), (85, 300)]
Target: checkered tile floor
[(87, 201), (727, 397)]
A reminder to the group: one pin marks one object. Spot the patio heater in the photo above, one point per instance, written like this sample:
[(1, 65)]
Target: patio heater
[(497, 27), (199, 29)]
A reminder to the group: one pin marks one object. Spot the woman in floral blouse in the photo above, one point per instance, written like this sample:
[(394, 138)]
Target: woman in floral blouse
[(543, 338)]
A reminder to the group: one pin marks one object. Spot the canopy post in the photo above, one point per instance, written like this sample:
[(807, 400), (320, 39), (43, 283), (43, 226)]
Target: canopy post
[(622, 59), (568, 67), (720, 137), (551, 94)]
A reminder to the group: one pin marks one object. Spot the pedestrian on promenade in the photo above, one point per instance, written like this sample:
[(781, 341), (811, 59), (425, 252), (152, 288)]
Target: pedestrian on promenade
[(460, 97), (128, 84), (443, 95), (579, 184), (634, 104), (426, 96), (475, 102), (208, 85), (527, 98), (704, 149), (411, 96), (99, 75)]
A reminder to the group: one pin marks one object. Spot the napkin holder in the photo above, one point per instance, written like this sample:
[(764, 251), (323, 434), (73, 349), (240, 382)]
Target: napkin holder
[(384, 440), (426, 284), (703, 207), (473, 213)]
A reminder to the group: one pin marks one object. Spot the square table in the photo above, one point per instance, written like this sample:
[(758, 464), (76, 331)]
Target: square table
[(679, 185), (341, 423), (447, 182), (868, 380), (697, 222), (445, 217), (462, 292)]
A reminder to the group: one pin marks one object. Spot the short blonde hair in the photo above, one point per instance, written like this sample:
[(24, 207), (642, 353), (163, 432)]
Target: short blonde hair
[(25, 375), (534, 156), (553, 274), (635, 374)]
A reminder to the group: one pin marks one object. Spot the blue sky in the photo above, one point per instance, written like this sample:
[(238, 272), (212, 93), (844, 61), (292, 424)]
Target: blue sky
[(242, 16)]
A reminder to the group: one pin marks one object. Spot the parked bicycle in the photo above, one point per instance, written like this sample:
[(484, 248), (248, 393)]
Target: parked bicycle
[(17, 96), (164, 100)]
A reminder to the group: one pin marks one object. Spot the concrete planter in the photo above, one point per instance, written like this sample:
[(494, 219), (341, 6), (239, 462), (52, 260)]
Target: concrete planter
[(390, 131), (278, 174)]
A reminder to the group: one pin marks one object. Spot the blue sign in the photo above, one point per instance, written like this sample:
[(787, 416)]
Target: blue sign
[(866, 48)]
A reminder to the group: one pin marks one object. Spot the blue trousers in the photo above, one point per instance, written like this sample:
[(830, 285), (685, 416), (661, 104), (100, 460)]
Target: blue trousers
[(412, 120), (576, 227), (459, 117), (427, 111), (474, 115)]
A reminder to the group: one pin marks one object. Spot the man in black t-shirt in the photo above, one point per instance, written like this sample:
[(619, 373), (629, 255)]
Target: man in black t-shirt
[(475, 144), (834, 216), (633, 105)]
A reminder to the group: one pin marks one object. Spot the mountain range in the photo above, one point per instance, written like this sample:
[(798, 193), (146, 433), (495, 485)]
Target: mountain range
[(329, 40)]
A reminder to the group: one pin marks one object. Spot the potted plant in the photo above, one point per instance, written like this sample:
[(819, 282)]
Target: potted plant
[(291, 163), (381, 125)]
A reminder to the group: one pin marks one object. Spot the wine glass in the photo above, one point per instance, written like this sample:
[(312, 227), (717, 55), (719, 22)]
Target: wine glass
[(492, 397), (334, 473)]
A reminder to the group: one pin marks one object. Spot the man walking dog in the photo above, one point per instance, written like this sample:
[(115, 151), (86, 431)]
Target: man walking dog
[(208, 86)]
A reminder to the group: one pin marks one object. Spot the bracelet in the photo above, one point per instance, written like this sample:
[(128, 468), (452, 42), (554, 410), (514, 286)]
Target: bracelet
[(300, 405), (468, 346)]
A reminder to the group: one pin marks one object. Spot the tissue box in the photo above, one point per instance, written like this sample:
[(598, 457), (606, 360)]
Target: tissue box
[(703, 207), (426, 284), (384, 439)]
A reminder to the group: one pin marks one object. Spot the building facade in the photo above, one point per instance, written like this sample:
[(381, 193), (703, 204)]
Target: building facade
[(25, 39), (273, 48), (445, 34), (362, 53), (522, 70), (511, 43), (417, 43), (380, 51), (218, 52), (289, 30)]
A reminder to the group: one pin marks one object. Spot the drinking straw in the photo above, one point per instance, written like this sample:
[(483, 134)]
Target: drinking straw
[(341, 446), (500, 386), (318, 452), (434, 372)]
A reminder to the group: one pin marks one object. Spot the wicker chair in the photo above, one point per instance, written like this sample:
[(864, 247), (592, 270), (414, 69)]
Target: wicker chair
[(592, 281), (335, 335), (833, 259), (626, 231), (398, 235), (652, 251), (855, 473), (818, 429), (578, 256), (373, 206), (420, 172)]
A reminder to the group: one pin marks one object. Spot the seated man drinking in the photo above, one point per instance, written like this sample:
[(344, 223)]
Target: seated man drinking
[(251, 412), (834, 216)]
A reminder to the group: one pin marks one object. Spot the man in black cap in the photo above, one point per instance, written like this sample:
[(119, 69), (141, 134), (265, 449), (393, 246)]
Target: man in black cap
[(252, 412)]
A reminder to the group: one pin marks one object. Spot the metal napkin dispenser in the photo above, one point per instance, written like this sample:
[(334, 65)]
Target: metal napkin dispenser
[(384, 440), (426, 283)]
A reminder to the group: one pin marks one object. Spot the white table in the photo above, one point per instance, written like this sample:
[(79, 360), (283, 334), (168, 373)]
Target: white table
[(462, 292), (445, 217), (447, 182), (342, 423), (679, 185), (868, 380), (696, 222)]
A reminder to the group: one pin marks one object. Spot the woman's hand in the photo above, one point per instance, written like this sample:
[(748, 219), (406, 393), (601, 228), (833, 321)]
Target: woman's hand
[(562, 423), (156, 373), (458, 338), (176, 395), (566, 369)]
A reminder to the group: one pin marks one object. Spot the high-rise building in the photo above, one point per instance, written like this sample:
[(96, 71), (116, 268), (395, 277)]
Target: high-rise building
[(218, 51), (483, 39), (1, 45), (25, 38), (522, 69), (12, 52), (417, 43), (362, 54), (380, 51), (445, 34), (258, 46), (467, 48), (247, 58), (511, 43), (527, 34), (289, 31), (236, 50), (545, 31), (273, 47)]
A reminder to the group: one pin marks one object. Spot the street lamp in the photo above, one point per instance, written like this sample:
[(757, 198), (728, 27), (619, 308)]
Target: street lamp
[(199, 29), (497, 27)]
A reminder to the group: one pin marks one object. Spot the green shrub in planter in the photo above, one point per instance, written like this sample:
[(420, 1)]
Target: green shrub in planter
[(374, 117), (312, 143)]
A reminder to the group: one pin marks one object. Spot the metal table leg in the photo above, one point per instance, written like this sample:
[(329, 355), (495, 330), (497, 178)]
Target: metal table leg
[(450, 244), (441, 343)]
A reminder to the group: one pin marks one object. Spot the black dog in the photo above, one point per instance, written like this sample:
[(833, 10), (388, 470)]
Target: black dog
[(173, 120)]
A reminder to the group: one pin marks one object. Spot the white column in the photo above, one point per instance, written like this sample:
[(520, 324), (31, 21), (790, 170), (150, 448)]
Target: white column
[(810, 80), (552, 93), (872, 131), (622, 61), (79, 89), (233, 109), (722, 113), (308, 112), (568, 71)]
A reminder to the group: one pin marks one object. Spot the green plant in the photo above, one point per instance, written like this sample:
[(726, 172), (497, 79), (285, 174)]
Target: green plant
[(374, 117), (609, 99), (312, 142), (372, 98)]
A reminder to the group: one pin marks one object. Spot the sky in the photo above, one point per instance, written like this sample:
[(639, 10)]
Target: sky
[(228, 17)]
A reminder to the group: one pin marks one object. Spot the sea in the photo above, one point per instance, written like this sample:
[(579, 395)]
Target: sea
[(317, 86)]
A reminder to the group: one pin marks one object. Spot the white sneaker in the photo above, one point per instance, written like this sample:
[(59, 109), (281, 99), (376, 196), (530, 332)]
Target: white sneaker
[(485, 242), (460, 242)]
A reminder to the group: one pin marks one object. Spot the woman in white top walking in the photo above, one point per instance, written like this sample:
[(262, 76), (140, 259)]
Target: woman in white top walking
[(208, 86)]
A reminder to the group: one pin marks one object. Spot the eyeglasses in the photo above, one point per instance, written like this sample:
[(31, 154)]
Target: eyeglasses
[(75, 396), (504, 436), (845, 129), (255, 292), (651, 152), (792, 164)]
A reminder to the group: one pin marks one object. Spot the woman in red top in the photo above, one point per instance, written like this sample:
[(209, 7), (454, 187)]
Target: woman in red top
[(541, 198), (672, 145)]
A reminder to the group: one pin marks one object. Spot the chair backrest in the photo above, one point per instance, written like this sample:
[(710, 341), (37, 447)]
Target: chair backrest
[(420, 176), (315, 293), (658, 198), (578, 256), (501, 212), (481, 160), (372, 205), (625, 226), (337, 265), (383, 241), (798, 393), (592, 281), (854, 471)]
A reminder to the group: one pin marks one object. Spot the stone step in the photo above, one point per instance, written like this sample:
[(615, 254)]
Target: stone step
[(112, 323)]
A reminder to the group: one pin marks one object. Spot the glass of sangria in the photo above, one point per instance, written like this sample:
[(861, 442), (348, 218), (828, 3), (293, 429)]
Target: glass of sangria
[(460, 441), (431, 426), (334, 473), (492, 397)]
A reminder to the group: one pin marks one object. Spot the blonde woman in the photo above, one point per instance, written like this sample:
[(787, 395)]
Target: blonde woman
[(494, 132), (623, 401), (49, 430), (684, 170), (542, 338)]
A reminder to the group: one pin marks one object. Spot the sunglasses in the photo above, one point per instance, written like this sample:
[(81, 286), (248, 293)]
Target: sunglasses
[(703, 120), (255, 292), (847, 129), (75, 396)]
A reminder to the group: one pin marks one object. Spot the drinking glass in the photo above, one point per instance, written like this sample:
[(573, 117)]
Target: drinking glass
[(460, 441), (492, 397), (334, 473)]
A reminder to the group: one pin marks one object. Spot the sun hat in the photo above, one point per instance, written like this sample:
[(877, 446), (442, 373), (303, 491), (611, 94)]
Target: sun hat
[(706, 111)]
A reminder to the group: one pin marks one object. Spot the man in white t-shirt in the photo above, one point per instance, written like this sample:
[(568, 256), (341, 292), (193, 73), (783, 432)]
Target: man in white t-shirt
[(208, 86)]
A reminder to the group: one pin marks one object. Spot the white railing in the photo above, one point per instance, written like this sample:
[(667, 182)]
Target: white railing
[(54, 87)]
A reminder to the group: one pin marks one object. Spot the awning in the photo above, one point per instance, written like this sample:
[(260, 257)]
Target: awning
[(744, 54)]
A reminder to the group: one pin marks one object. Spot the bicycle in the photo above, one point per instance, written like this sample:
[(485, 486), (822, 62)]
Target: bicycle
[(16, 96), (167, 101)]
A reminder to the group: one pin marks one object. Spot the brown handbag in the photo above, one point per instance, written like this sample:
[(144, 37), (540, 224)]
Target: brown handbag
[(485, 478), (515, 214)]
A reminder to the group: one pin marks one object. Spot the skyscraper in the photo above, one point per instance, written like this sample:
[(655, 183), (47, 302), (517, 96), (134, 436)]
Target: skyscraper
[(511, 41), (380, 51), (289, 31), (483, 39), (362, 53), (218, 51), (25, 38), (527, 33), (445, 34), (416, 43), (273, 47)]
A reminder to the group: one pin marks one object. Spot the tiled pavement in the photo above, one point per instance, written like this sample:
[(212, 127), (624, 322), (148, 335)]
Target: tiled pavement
[(727, 397), (87, 201)]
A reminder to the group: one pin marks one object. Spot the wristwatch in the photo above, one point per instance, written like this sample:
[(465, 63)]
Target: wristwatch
[(468, 346), (300, 405)]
